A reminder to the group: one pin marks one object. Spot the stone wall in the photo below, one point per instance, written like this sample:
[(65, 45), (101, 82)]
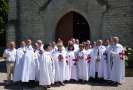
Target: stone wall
[(38, 19), (117, 21)]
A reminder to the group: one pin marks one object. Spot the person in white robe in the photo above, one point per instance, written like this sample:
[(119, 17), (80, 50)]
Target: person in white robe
[(118, 63), (82, 64), (19, 62), (72, 63), (76, 45), (28, 68), (60, 64), (100, 50), (68, 63), (36, 60), (40, 44), (93, 55), (54, 47), (46, 75), (38, 47), (10, 57), (88, 51), (52, 65), (108, 46), (92, 70)]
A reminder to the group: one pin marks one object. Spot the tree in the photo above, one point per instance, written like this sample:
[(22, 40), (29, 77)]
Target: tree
[(3, 20)]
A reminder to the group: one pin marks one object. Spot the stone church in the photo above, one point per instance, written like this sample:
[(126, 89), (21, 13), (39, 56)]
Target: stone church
[(84, 19)]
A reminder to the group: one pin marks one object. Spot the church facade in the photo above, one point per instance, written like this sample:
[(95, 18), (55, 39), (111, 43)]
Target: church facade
[(84, 19)]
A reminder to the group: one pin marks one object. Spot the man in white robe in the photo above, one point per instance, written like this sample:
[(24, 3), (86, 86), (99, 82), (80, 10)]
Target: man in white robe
[(100, 50), (60, 64), (19, 62), (118, 63), (108, 45), (28, 69)]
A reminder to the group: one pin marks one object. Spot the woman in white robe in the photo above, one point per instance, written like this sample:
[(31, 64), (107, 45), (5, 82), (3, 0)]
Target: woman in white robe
[(72, 63)]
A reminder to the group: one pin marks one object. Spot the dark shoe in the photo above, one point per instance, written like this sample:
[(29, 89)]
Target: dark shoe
[(62, 84), (45, 87), (57, 84), (48, 86), (115, 84)]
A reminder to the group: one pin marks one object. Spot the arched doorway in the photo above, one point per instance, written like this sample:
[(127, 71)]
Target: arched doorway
[(71, 25)]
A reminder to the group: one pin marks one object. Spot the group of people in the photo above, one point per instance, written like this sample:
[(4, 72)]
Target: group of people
[(54, 63)]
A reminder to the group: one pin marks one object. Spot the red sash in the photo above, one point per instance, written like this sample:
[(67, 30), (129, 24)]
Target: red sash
[(88, 59), (122, 55)]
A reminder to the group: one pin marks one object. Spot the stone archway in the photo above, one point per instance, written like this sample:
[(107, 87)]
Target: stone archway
[(71, 25)]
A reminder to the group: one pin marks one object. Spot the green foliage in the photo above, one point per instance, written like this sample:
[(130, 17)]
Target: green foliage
[(3, 20), (128, 53)]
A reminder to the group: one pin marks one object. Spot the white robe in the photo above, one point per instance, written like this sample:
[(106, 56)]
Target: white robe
[(108, 63), (92, 63), (51, 67), (59, 66), (67, 69), (118, 63), (28, 68), (72, 65), (18, 64), (105, 65), (45, 64), (37, 64), (76, 47), (82, 65), (89, 61), (100, 64)]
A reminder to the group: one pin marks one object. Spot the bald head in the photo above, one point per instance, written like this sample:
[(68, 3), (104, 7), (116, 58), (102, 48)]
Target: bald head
[(12, 45), (39, 41)]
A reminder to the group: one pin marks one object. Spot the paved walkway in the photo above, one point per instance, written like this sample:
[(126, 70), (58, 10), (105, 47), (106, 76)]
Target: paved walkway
[(128, 85)]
